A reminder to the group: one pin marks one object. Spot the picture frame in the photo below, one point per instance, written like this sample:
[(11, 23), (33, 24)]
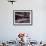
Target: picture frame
[(22, 17)]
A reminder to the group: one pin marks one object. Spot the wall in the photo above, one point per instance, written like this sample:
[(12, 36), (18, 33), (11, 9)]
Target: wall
[(37, 31)]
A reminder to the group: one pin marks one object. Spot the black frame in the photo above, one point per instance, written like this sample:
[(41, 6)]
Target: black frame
[(25, 11)]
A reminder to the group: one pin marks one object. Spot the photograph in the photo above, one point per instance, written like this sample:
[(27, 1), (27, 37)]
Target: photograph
[(22, 17)]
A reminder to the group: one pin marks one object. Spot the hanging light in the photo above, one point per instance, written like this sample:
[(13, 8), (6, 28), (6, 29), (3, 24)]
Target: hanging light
[(12, 1)]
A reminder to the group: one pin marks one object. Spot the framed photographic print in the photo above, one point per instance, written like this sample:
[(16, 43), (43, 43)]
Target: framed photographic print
[(22, 17)]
